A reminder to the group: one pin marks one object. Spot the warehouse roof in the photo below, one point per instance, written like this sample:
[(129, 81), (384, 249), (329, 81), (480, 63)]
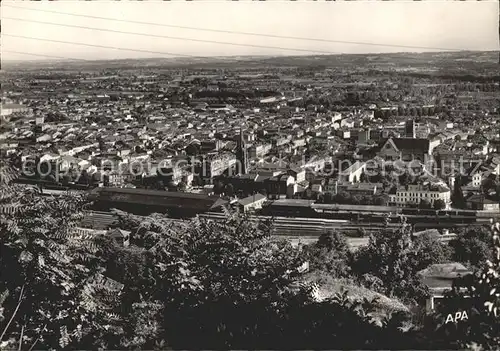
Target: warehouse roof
[(292, 202), (179, 200)]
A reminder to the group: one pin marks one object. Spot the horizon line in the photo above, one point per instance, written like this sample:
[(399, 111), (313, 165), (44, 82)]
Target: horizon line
[(238, 56)]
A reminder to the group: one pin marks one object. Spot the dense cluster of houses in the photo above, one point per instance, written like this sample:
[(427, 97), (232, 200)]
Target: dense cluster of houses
[(270, 146)]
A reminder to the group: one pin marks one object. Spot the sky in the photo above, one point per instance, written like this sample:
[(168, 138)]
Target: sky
[(408, 26)]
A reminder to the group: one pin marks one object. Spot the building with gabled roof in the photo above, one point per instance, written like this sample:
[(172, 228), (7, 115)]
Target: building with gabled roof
[(439, 278), (252, 202), (406, 149), (276, 186), (480, 202)]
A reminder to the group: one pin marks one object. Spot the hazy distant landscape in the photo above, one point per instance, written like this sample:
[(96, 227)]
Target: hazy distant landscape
[(464, 62)]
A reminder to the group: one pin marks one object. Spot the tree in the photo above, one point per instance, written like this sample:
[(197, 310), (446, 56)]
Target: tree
[(356, 200), (218, 187), (381, 200), (83, 178), (330, 254), (489, 183), (405, 178), (229, 190), (439, 204), (389, 256), (363, 177), (478, 296), (66, 179), (424, 204), (181, 186), (429, 250), (457, 197), (213, 278), (50, 294), (327, 197), (471, 246), (342, 198)]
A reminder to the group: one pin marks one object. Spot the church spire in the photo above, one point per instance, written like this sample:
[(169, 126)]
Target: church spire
[(241, 154), (307, 153), (242, 139)]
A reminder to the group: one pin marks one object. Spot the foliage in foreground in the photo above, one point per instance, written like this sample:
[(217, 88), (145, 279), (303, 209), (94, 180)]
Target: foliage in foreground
[(242, 293), (201, 284), (479, 297), (472, 246), (390, 262), (50, 279), (227, 284)]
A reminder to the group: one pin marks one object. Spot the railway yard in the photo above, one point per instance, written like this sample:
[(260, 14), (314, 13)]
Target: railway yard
[(304, 230)]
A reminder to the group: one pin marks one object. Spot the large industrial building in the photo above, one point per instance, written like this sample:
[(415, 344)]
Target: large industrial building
[(145, 202)]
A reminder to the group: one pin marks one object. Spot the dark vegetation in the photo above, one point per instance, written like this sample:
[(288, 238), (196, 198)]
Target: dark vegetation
[(215, 285)]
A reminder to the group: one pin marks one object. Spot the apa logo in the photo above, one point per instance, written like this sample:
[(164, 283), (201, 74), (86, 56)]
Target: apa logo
[(459, 316)]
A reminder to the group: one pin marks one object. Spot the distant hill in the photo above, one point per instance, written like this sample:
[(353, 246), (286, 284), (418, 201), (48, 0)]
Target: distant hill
[(173, 62), (463, 62)]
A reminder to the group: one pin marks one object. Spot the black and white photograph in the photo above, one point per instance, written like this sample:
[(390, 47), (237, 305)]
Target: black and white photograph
[(250, 175)]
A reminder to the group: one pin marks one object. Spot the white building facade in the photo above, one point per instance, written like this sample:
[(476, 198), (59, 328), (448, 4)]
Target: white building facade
[(414, 194)]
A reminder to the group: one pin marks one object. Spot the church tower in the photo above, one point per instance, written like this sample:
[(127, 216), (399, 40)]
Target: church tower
[(410, 129), (307, 152), (241, 153)]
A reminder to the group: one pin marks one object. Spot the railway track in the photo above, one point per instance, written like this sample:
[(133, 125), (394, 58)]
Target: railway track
[(297, 230)]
